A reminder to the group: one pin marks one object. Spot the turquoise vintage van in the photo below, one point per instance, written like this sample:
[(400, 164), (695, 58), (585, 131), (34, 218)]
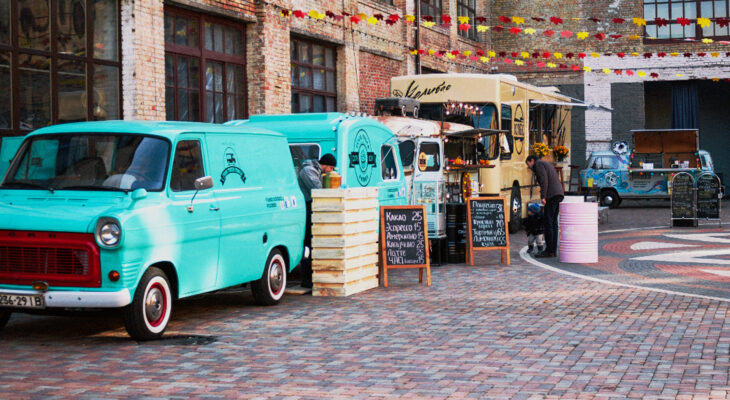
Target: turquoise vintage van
[(135, 215), (366, 150)]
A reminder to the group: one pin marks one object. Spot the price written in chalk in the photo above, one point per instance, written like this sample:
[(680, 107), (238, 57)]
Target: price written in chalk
[(405, 236), (488, 223)]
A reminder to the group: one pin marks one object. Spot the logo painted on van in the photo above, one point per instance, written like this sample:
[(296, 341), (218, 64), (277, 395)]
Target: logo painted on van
[(415, 92), (363, 158), (231, 163)]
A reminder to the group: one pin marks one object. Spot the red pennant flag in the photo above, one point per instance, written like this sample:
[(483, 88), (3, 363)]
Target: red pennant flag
[(701, 54), (339, 17), (600, 36), (566, 34), (498, 28), (445, 19), (688, 55), (538, 19), (421, 51), (563, 66), (379, 17), (616, 36), (503, 54), (514, 54), (661, 54), (549, 33), (540, 64), (618, 20), (661, 22), (393, 17), (480, 53), (355, 19), (647, 55), (581, 55), (440, 53), (594, 19), (389, 22), (515, 30), (683, 21), (455, 52), (546, 54), (427, 18), (722, 22), (481, 20), (329, 14), (285, 13), (535, 55), (473, 58), (617, 71), (569, 55), (621, 55), (464, 27), (504, 19), (556, 20), (507, 61), (654, 75), (299, 13), (575, 68), (630, 73)]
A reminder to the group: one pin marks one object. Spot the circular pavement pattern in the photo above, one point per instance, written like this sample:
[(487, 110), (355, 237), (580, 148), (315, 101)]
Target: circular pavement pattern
[(688, 261)]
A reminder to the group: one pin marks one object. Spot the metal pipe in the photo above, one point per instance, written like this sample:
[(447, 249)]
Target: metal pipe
[(417, 27)]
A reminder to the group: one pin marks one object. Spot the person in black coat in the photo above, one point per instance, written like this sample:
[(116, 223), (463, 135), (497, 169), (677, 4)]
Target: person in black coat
[(551, 193), (533, 229)]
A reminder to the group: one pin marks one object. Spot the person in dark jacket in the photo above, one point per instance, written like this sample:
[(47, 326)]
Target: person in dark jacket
[(310, 177), (551, 193), (533, 229)]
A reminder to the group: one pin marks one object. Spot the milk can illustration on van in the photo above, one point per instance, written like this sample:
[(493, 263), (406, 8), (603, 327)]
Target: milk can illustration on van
[(128, 215)]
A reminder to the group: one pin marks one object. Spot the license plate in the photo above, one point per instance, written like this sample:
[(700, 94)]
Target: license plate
[(21, 300)]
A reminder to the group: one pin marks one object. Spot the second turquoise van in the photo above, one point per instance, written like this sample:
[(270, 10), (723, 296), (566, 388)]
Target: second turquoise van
[(366, 150)]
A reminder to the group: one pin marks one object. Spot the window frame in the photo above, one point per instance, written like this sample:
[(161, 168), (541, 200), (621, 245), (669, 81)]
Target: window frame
[(295, 89), (54, 55), (203, 56), (427, 7), (396, 177), (672, 20), (173, 157), (467, 8), (506, 108)]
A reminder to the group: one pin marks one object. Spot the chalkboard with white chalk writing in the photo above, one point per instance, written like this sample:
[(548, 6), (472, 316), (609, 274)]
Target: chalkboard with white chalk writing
[(487, 223), (405, 235), (708, 196)]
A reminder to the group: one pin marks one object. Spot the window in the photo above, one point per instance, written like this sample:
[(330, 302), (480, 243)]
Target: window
[(187, 166), (301, 152), (605, 162), (428, 157), (389, 2), (467, 8), (313, 77), (432, 8), (52, 55), (506, 141), (407, 150), (387, 163), (670, 10), (205, 61)]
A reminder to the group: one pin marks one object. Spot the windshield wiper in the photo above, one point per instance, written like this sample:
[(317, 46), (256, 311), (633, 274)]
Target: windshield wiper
[(29, 185), (91, 187)]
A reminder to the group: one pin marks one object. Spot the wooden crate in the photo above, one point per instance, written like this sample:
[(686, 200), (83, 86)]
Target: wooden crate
[(344, 241)]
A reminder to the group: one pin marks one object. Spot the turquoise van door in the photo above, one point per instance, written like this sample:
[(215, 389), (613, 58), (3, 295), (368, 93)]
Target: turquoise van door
[(234, 161), (197, 231)]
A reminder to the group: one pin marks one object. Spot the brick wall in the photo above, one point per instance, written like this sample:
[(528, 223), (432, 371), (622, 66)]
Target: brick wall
[(375, 74)]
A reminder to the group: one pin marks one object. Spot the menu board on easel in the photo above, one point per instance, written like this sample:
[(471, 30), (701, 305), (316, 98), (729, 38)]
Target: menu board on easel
[(487, 226), (683, 199), (708, 197), (404, 240)]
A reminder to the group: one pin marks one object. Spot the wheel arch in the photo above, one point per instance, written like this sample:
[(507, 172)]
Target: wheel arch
[(169, 269)]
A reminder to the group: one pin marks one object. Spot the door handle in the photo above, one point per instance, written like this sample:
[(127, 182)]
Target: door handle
[(214, 208)]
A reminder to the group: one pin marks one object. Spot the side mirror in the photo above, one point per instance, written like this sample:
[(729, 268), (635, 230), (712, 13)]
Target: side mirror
[(205, 182), (202, 183)]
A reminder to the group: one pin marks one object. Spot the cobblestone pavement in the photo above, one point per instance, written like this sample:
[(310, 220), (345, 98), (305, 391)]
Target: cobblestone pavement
[(490, 331)]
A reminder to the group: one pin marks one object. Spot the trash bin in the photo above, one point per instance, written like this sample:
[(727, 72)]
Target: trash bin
[(579, 232)]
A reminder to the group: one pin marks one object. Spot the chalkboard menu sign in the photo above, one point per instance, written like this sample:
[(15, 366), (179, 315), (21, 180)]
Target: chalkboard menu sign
[(487, 226), (404, 239), (708, 196), (683, 196)]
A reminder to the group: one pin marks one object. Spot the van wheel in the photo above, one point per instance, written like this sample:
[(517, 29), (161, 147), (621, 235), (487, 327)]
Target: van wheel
[(609, 198), (4, 317), (147, 317), (268, 290), (515, 209)]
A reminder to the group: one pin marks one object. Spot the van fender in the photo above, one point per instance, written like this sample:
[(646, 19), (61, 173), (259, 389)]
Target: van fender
[(168, 267)]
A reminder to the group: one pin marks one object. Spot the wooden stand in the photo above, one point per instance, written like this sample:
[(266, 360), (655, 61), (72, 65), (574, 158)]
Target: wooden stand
[(470, 240), (344, 241)]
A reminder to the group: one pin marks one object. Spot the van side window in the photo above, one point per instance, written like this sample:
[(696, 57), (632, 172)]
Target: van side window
[(506, 141), (302, 152), (387, 163), (187, 166), (407, 150), (610, 162)]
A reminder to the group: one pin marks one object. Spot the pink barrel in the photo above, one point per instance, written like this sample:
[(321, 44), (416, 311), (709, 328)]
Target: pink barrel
[(579, 232)]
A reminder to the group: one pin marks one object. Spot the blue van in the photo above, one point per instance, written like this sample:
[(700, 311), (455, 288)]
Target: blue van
[(135, 215), (366, 150)]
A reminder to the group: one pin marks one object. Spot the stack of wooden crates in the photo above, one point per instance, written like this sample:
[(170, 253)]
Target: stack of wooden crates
[(344, 241)]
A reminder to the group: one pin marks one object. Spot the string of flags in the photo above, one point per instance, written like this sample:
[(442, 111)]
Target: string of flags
[(466, 23), (525, 55)]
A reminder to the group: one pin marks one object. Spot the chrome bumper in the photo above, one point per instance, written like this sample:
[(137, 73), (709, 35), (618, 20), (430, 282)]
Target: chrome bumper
[(75, 299)]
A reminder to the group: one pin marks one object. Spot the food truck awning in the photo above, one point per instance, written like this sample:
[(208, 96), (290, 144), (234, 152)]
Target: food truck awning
[(475, 132), (558, 103)]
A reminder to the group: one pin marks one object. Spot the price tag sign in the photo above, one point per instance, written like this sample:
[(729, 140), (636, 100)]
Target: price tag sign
[(487, 226), (404, 240)]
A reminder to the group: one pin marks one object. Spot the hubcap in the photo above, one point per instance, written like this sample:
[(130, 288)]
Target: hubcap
[(276, 277), (154, 305), (608, 199), (516, 205)]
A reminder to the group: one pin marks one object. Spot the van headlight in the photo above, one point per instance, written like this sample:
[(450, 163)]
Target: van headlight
[(108, 232)]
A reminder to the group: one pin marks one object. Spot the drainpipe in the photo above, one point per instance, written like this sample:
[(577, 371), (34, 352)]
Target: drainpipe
[(417, 27)]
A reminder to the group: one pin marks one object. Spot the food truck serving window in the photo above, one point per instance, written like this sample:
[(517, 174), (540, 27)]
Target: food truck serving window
[(428, 157), (301, 152)]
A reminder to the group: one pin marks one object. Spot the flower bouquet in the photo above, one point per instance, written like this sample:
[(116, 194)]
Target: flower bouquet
[(560, 152), (539, 149)]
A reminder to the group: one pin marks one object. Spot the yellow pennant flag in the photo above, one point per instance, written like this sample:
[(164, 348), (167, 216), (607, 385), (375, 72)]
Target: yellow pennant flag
[(429, 24), (639, 21), (680, 75), (414, 52), (372, 20), (587, 69), (595, 55), (463, 20), (641, 73), (708, 41), (410, 18), (558, 55), (518, 20), (482, 28), (634, 37), (606, 71), (716, 79), (674, 54), (450, 56), (519, 62), (551, 65), (431, 52), (525, 54), (530, 31), (484, 59), (582, 35), (491, 54), (715, 54), (467, 53), (634, 54), (703, 22)]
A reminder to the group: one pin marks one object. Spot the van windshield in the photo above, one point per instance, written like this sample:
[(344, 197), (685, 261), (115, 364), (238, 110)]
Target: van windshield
[(90, 162)]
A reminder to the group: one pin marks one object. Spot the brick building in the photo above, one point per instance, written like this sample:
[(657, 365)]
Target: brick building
[(216, 60)]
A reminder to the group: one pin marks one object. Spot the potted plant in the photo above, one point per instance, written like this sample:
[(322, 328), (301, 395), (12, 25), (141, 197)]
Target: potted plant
[(539, 149), (560, 153)]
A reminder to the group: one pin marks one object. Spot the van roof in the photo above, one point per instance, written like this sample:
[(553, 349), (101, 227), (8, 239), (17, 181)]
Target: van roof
[(168, 129), (310, 126)]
